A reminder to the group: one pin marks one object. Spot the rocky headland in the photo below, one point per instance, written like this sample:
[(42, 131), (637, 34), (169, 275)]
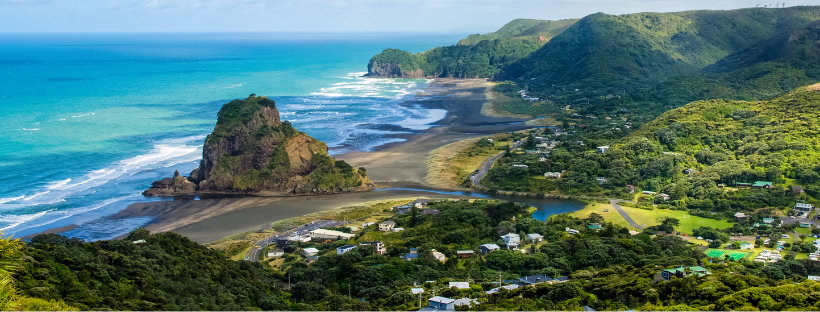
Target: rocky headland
[(251, 151)]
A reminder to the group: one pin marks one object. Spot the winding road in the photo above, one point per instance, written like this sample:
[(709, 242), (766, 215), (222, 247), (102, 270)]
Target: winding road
[(614, 203)]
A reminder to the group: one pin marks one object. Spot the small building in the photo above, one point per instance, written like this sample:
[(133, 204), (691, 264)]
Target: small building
[(803, 207), (552, 175), (511, 238), (387, 226), (681, 272), (743, 185), (311, 259), (571, 231), (412, 255), (630, 189), (322, 234), (466, 302), (275, 254), (603, 149), (429, 211), (402, 209), (512, 246), (648, 193), (397, 230), (344, 249), (768, 221), (814, 278), (664, 196), (487, 248), (420, 203), (797, 189), (595, 226), (464, 254), (380, 250), (746, 245), (498, 289), (520, 166), (721, 185), (740, 216), (417, 291), (805, 224), (762, 185), (307, 252), (535, 237), (139, 241), (601, 180), (438, 256), (439, 303), (689, 171), (533, 279), (459, 285)]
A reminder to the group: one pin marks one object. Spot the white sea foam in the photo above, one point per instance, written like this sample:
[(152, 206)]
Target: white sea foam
[(15, 220), (10, 199), (30, 129), (57, 184), (84, 115)]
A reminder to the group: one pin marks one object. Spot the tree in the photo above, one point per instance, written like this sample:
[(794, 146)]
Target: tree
[(530, 143), (595, 218), (414, 216)]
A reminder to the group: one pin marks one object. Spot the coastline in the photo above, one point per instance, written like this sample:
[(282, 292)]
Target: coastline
[(400, 164)]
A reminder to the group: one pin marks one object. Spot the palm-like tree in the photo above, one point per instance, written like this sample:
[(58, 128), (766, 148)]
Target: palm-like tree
[(9, 256)]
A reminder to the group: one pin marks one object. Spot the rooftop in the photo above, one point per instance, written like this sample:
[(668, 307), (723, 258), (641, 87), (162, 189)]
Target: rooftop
[(440, 299)]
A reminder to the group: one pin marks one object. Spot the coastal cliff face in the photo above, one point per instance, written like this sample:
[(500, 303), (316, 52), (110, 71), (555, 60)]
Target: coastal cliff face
[(391, 70), (252, 150)]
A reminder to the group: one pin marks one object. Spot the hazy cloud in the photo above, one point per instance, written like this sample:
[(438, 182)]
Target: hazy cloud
[(465, 16)]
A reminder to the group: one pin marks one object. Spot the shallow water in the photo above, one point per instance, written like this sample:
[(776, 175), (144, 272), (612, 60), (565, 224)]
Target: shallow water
[(90, 120)]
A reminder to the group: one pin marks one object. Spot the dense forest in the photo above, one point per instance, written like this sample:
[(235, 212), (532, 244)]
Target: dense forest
[(723, 142), (606, 269)]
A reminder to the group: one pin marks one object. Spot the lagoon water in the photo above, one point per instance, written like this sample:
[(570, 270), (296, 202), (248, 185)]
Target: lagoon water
[(90, 120)]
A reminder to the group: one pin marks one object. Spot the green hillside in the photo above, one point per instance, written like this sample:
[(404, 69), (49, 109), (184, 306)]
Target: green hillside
[(475, 56), (523, 29)]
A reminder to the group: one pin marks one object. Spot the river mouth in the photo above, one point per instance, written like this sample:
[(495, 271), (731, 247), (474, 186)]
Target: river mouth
[(546, 206)]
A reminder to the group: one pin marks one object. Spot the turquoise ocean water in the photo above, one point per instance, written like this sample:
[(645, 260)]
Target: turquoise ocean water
[(88, 121)]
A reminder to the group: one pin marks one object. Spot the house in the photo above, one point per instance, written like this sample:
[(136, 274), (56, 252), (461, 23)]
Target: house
[(602, 149), (438, 256), (380, 250), (275, 254), (648, 193), (512, 246), (746, 245), (630, 189), (397, 230), (429, 211), (520, 166), (307, 252), (571, 231), (417, 291), (322, 234), (803, 207), (553, 175), (412, 255), (343, 249), (466, 302), (535, 237), (498, 289), (402, 209), (459, 285), (681, 272), (311, 259), (601, 180), (743, 185), (420, 203), (386, 226), (768, 220), (664, 196), (463, 254), (740, 216), (689, 171), (762, 185), (595, 226), (511, 238), (439, 303), (805, 224), (721, 185), (542, 159), (487, 248), (797, 189), (534, 279), (814, 278)]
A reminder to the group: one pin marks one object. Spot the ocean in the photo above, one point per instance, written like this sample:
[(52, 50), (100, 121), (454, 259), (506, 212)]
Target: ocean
[(90, 120)]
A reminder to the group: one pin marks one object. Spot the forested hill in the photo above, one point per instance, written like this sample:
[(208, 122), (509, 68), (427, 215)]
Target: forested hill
[(523, 29), (473, 57), (607, 54)]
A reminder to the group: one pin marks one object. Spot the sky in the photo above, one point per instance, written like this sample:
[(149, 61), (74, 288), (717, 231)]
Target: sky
[(435, 16)]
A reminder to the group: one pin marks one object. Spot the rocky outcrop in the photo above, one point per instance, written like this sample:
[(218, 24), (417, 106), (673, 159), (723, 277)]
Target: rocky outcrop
[(391, 70), (252, 150)]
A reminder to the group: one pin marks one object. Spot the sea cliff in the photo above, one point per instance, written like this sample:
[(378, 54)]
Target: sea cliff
[(252, 150)]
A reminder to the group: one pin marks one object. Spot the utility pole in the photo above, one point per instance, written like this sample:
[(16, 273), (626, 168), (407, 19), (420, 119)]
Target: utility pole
[(288, 281), (348, 291)]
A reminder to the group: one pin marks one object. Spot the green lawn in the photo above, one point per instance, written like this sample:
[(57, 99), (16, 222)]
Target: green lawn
[(687, 222), (800, 230), (727, 252), (611, 216)]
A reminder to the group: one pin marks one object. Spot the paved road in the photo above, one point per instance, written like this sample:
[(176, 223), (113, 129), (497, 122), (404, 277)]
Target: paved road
[(614, 203), (486, 165), (256, 250)]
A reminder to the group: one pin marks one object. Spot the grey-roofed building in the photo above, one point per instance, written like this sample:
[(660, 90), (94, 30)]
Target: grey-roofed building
[(534, 279)]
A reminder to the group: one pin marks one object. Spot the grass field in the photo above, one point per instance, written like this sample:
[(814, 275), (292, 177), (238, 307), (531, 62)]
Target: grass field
[(733, 254), (687, 223), (448, 166), (611, 216)]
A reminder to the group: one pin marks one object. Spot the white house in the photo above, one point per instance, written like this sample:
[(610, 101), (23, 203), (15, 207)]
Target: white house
[(535, 237), (275, 254), (459, 285), (511, 238), (438, 256), (571, 231), (320, 234), (602, 149), (343, 249), (803, 207), (310, 251), (386, 226)]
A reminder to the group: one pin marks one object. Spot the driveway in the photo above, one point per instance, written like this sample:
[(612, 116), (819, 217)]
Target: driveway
[(614, 203)]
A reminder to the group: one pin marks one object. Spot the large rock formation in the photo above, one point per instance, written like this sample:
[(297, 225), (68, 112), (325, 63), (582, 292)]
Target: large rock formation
[(252, 150), (394, 63)]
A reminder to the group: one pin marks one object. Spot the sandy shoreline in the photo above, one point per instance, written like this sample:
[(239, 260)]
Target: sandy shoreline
[(392, 165)]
